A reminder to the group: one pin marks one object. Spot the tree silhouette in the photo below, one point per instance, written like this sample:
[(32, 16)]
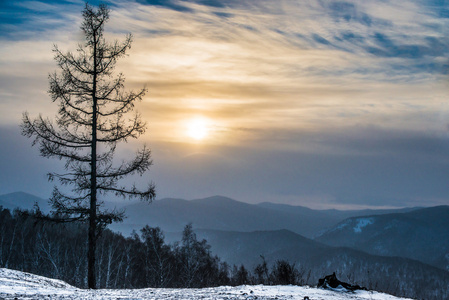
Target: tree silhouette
[(92, 119)]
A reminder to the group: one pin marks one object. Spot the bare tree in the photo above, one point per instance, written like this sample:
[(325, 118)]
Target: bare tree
[(92, 119), (157, 257)]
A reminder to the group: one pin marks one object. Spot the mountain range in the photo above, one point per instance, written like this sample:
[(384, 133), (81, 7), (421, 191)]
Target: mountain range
[(217, 212), (313, 259), (409, 246), (421, 234), (23, 201), (416, 233), (222, 213)]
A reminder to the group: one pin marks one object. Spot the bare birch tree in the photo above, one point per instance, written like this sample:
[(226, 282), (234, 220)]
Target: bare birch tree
[(93, 117)]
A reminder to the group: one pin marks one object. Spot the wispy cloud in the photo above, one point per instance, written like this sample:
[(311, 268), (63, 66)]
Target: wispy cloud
[(341, 82), (299, 64)]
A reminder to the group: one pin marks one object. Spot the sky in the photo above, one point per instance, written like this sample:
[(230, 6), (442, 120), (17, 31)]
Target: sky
[(325, 104)]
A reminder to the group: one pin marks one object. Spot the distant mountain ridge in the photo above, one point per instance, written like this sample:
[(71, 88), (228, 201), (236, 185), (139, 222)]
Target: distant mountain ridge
[(342, 214), (217, 212), (421, 234), (313, 259), (23, 200), (223, 213)]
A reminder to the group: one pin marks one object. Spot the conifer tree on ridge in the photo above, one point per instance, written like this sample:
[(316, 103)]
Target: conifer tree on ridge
[(92, 119)]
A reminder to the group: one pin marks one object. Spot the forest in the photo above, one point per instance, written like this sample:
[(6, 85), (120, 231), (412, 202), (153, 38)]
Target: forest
[(32, 244), (141, 260)]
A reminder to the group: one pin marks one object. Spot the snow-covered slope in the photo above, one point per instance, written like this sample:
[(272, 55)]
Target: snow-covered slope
[(420, 235), (20, 285)]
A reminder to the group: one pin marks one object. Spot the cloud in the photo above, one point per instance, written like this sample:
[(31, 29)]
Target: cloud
[(170, 4), (348, 12), (342, 102), (35, 19), (371, 167)]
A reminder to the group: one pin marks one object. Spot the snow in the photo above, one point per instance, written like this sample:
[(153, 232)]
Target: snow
[(337, 228), (361, 223), (20, 285), (342, 225)]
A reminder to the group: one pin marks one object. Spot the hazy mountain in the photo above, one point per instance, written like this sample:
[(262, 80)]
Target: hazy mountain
[(221, 213), (421, 234), (315, 260), (23, 201), (218, 213), (334, 214), (246, 247)]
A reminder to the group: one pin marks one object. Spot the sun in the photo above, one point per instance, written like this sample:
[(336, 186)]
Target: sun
[(198, 128)]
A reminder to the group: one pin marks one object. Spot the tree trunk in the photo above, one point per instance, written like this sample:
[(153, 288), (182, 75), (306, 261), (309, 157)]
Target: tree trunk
[(93, 180)]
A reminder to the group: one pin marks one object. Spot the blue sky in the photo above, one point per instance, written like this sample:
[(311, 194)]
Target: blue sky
[(318, 103)]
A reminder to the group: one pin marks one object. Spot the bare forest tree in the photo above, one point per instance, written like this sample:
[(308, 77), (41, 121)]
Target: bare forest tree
[(92, 119)]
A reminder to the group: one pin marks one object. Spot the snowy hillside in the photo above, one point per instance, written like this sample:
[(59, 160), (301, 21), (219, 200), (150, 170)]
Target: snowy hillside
[(16, 284), (420, 235)]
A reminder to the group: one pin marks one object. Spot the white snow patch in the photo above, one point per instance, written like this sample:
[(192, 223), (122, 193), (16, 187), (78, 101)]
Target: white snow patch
[(20, 285), (361, 223), (337, 228), (342, 225)]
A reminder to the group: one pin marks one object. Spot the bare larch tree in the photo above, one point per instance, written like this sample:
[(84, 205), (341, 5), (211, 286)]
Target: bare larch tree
[(94, 115)]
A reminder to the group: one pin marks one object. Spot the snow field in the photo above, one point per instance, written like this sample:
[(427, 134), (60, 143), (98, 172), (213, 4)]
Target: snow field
[(20, 285)]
